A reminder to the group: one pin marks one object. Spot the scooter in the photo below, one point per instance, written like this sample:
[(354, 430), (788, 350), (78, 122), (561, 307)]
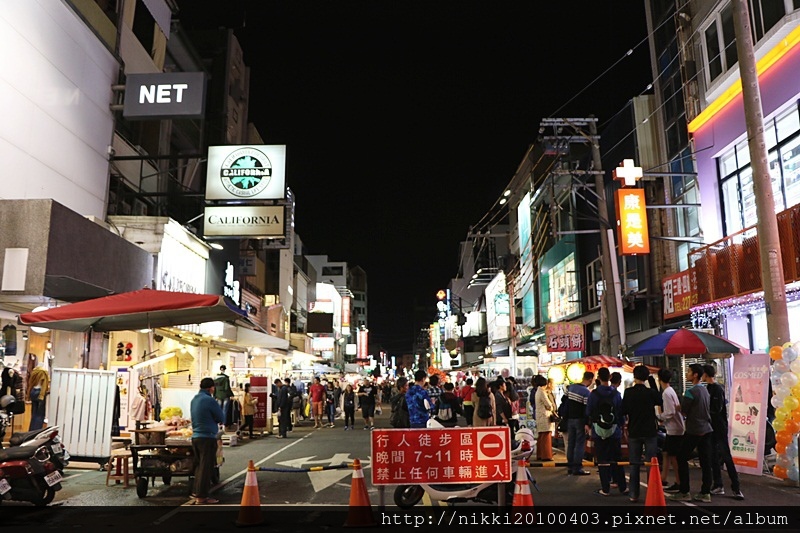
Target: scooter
[(523, 446), (31, 468)]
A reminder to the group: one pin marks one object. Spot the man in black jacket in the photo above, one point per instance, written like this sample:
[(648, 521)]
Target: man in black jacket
[(720, 449), (284, 404), (399, 417), (639, 406)]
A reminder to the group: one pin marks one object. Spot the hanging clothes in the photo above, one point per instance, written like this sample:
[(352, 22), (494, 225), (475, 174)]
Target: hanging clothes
[(115, 416)]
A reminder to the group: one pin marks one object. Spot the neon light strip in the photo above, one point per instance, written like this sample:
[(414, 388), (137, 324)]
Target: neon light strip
[(764, 64)]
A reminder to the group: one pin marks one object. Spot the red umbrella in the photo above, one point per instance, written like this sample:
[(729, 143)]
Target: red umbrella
[(140, 309)]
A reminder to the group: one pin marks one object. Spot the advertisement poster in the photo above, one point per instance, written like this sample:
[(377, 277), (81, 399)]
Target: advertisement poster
[(123, 382), (747, 411), (260, 389)]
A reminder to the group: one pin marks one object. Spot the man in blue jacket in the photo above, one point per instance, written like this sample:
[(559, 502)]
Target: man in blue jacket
[(206, 417), (607, 432)]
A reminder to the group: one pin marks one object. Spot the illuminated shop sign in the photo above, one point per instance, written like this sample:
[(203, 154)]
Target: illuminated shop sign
[(246, 172), (244, 221), (165, 95)]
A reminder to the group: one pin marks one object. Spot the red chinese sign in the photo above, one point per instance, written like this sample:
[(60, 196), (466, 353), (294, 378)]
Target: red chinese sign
[(680, 293), (447, 455), (564, 337), (260, 389), (632, 219)]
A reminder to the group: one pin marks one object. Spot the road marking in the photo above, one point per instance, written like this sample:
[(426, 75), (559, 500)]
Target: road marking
[(222, 484), (72, 476)]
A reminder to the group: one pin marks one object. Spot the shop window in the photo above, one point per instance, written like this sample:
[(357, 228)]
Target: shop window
[(765, 15), (144, 26), (789, 123)]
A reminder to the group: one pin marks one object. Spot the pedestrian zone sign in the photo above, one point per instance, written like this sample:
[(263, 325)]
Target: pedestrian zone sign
[(440, 456)]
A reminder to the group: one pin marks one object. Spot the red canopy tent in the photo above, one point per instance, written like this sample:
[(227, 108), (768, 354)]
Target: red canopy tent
[(142, 309)]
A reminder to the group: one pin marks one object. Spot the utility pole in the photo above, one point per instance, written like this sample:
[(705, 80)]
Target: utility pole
[(609, 254), (613, 334), (768, 237)]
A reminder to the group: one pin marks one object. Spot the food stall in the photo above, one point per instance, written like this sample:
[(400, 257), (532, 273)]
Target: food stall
[(164, 452)]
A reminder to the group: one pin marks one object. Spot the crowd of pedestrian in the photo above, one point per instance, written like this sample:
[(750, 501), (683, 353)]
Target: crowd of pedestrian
[(595, 409)]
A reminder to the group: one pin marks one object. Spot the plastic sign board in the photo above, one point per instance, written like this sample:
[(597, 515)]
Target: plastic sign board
[(747, 412), (565, 337), (442, 455), (246, 172), (680, 293), (165, 95), (632, 221), (254, 221)]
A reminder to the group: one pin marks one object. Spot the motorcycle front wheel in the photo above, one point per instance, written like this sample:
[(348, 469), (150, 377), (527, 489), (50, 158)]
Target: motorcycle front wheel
[(407, 496)]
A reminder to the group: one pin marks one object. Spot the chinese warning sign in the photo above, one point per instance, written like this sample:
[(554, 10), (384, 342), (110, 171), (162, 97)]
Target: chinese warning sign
[(448, 455), (632, 220), (680, 293), (564, 336)]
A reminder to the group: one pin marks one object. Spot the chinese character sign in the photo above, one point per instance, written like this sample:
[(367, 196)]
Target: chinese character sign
[(632, 221), (564, 337), (680, 293), (447, 455), (747, 413)]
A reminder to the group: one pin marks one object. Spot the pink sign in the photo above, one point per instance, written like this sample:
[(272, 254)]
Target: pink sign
[(747, 411), (564, 336)]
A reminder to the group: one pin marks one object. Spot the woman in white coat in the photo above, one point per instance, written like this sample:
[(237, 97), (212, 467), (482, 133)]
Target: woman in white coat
[(544, 426)]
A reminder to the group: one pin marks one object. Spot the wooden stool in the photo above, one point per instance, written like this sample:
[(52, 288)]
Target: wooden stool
[(119, 462)]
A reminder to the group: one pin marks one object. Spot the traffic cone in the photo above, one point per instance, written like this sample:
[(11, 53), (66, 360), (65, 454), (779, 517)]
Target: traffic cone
[(250, 512), (655, 491), (522, 488), (360, 512)]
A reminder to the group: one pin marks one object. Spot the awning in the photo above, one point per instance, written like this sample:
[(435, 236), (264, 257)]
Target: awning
[(251, 338), (142, 309)]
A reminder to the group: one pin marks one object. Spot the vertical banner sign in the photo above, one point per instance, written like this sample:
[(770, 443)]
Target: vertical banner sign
[(345, 311), (680, 293), (747, 413), (632, 222), (259, 388), (123, 382), (564, 337)]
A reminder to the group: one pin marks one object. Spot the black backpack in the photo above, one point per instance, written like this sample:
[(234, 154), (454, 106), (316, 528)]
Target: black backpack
[(604, 417), (399, 417), (484, 407)]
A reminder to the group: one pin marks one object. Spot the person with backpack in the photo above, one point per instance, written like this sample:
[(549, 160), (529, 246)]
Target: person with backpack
[(603, 410), (720, 450), (483, 400), (399, 416), (449, 406), (434, 391), (639, 405)]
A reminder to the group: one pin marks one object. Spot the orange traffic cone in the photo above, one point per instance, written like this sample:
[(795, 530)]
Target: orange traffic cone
[(250, 512), (655, 491), (360, 512), (522, 488)]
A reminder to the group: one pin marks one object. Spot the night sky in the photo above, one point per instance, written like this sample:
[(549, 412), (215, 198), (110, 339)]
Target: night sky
[(404, 121)]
